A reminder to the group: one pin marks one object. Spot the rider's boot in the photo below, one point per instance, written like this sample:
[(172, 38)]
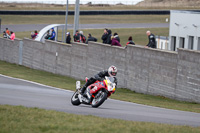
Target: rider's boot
[(84, 88), (83, 92)]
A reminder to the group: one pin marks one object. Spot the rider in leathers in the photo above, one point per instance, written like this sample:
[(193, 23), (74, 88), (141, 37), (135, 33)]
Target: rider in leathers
[(111, 72)]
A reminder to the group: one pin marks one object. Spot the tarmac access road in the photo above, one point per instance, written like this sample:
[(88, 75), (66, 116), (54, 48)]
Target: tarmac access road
[(21, 92), (33, 27)]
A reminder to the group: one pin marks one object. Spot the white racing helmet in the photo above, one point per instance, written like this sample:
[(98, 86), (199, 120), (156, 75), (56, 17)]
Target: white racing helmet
[(112, 71)]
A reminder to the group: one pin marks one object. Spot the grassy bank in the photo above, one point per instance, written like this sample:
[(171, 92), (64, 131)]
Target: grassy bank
[(20, 119), (69, 83), (138, 34), (84, 19)]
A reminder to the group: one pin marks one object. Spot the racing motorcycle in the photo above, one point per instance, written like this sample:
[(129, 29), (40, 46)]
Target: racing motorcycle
[(95, 94)]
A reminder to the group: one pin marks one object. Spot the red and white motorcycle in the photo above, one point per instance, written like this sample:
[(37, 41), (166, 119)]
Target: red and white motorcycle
[(96, 93)]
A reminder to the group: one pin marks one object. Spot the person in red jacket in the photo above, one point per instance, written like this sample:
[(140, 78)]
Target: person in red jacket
[(115, 42)]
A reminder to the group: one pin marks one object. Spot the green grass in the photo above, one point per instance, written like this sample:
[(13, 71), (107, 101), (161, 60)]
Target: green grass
[(138, 34), (18, 119), (37, 76), (84, 19), (69, 83)]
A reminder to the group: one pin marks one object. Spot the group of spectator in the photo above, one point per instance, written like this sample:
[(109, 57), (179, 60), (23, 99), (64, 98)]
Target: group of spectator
[(107, 37), (49, 36), (114, 40), (9, 34), (79, 37)]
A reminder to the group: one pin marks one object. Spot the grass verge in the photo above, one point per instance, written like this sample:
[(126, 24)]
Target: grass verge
[(20, 119), (69, 83), (84, 19)]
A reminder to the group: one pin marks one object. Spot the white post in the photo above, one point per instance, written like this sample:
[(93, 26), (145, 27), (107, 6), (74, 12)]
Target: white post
[(76, 17), (66, 15)]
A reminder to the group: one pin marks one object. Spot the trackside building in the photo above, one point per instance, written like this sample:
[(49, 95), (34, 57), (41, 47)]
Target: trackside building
[(184, 30)]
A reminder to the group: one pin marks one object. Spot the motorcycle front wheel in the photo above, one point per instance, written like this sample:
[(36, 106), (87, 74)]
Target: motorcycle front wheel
[(75, 100), (99, 99)]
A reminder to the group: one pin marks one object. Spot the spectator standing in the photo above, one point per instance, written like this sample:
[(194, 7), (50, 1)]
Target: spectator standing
[(117, 37), (109, 41), (53, 34), (7, 31), (68, 37), (12, 36), (77, 36), (115, 42), (130, 41), (47, 35), (34, 35), (152, 40), (90, 38), (82, 37), (105, 36)]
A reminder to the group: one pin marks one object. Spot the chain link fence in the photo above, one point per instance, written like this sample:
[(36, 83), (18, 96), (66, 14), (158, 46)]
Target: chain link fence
[(137, 3)]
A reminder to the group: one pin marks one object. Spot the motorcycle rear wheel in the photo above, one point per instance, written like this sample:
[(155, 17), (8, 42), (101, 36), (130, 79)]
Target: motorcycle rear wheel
[(99, 99), (75, 100)]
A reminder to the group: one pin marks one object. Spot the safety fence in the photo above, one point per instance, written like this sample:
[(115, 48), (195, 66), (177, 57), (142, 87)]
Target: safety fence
[(137, 3)]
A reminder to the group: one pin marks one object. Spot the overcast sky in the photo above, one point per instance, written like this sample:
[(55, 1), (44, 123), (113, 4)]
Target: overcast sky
[(81, 1)]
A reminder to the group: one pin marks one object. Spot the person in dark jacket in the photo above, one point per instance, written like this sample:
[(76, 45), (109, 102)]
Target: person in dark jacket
[(90, 38), (77, 36), (109, 37), (68, 37), (152, 40), (111, 72), (130, 41), (47, 35), (117, 37), (115, 42), (5, 35), (105, 36)]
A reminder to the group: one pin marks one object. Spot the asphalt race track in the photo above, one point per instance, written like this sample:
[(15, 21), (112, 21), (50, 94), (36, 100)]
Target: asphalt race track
[(33, 27), (20, 92)]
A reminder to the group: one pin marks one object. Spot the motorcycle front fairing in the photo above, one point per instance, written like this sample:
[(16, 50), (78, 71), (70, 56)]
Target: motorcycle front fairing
[(96, 87)]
